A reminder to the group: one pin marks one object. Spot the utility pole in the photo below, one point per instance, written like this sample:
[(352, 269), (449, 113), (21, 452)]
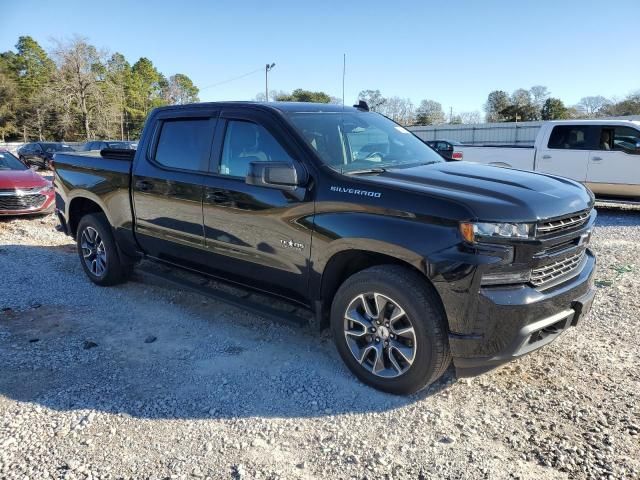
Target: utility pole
[(267, 68)]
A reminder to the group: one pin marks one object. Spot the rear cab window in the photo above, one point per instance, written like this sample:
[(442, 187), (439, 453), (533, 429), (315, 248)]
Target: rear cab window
[(185, 144)]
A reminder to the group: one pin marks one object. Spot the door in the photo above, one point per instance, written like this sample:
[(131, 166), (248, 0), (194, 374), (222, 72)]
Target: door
[(25, 153), (167, 186), (614, 167), (258, 236), (33, 154), (567, 151)]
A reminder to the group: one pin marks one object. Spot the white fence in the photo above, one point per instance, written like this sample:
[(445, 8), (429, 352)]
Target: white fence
[(508, 133)]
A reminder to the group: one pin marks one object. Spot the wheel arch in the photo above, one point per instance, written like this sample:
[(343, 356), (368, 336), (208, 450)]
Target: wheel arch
[(347, 262), (79, 207)]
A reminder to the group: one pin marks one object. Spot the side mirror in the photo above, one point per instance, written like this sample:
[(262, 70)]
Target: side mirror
[(280, 175)]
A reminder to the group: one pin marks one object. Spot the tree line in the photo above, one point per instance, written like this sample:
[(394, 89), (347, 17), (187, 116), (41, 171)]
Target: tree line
[(77, 92), (537, 103), (522, 105)]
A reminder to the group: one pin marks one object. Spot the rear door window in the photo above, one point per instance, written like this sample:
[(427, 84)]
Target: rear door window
[(572, 137), (185, 144)]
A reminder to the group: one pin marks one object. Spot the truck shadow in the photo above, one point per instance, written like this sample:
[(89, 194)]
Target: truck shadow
[(154, 352), (622, 216)]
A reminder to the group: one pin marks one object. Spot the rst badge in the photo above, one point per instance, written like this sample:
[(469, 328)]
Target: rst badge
[(291, 244)]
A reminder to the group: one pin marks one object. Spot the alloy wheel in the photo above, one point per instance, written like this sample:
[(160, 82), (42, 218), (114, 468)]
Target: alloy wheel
[(93, 251), (380, 335)]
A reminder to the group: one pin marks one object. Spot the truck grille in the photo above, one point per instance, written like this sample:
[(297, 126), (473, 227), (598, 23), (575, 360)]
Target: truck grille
[(10, 200), (558, 225), (542, 276)]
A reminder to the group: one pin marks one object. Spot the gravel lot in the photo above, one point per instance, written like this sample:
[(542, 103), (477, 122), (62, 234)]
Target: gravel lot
[(146, 381)]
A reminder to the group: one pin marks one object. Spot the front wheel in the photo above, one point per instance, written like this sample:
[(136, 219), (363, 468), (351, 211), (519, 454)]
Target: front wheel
[(390, 329), (98, 252)]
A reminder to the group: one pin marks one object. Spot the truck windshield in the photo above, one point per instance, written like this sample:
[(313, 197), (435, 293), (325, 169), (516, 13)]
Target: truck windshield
[(361, 141)]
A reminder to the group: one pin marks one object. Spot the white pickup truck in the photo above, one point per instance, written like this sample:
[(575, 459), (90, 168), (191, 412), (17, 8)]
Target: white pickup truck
[(602, 154)]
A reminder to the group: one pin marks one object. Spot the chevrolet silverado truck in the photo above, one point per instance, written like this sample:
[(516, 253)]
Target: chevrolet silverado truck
[(602, 154), (412, 262)]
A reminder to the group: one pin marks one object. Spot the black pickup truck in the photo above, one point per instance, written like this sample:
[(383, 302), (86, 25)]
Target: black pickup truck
[(411, 261)]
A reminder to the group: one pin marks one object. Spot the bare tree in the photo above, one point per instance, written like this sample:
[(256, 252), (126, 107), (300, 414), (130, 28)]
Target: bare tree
[(399, 110), (592, 106), (470, 117), (374, 99), (539, 95), (80, 72)]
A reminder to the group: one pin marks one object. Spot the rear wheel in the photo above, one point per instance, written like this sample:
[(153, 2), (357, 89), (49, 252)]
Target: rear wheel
[(98, 252), (390, 329)]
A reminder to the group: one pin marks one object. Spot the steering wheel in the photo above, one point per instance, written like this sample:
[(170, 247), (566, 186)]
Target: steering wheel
[(374, 154)]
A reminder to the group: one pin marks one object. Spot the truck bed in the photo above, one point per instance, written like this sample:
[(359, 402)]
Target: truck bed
[(520, 157)]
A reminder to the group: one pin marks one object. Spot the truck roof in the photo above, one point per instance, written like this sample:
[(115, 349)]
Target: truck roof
[(281, 106), (596, 121)]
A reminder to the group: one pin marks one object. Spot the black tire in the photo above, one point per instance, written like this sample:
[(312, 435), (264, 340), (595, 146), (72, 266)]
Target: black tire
[(115, 271), (423, 309)]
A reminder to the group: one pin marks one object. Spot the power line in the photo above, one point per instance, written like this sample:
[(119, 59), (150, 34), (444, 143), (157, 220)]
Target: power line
[(232, 79)]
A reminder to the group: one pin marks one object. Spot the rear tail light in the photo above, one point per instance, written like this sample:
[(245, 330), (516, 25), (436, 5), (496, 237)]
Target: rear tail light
[(456, 155)]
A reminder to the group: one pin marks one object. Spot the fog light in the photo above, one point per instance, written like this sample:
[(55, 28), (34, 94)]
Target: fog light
[(506, 278)]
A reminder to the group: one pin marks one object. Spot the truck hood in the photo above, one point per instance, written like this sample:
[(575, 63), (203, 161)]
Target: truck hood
[(493, 193)]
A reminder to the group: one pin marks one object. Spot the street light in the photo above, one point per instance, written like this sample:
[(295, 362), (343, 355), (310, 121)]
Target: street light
[(267, 68)]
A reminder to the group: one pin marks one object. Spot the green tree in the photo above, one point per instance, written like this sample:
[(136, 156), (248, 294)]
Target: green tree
[(301, 95), (119, 78), (497, 102), (144, 92), (554, 109), (33, 71), (8, 100), (429, 112)]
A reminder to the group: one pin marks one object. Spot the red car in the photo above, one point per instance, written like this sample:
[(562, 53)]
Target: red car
[(23, 191)]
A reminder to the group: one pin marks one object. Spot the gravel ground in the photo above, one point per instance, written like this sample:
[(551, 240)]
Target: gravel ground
[(146, 381)]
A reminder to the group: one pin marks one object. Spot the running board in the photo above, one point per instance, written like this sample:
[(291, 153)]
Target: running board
[(272, 308)]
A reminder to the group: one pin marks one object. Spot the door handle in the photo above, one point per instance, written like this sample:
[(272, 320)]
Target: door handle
[(546, 157), (143, 185), (596, 159)]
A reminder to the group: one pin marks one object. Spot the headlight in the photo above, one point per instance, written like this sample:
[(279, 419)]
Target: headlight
[(47, 189), (506, 278), (473, 232)]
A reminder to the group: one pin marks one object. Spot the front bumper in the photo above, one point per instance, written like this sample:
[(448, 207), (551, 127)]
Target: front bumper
[(519, 320)]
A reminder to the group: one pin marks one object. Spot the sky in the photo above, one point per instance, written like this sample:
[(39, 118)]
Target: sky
[(454, 52)]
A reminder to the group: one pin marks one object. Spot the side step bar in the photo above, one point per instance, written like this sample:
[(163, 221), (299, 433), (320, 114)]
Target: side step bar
[(272, 308)]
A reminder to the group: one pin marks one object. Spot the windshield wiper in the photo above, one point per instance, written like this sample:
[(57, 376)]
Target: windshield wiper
[(364, 171)]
